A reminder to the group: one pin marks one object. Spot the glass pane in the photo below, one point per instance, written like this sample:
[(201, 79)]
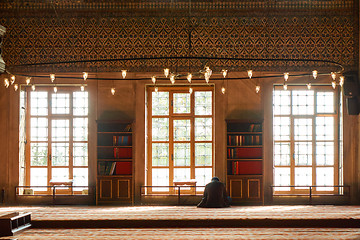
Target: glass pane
[(181, 130), (60, 130), (80, 178), (181, 102), (60, 103), (281, 102), (303, 129), (281, 128), (38, 177), (181, 154), (160, 177), (160, 129), (60, 174), (325, 102), (39, 154), (181, 174), (60, 154), (39, 103), (203, 129), (203, 103), (325, 128), (203, 154), (303, 153), (80, 129), (325, 177), (303, 102), (282, 178), (203, 176), (80, 154), (325, 153), (160, 103), (160, 154), (39, 129), (80, 103), (303, 177), (282, 154)]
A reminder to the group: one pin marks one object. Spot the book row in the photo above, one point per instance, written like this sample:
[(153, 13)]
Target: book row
[(243, 140), (114, 168), (122, 140), (122, 152), (245, 167), (249, 153)]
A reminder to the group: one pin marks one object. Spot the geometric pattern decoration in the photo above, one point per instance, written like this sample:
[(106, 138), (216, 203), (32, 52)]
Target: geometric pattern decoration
[(325, 30)]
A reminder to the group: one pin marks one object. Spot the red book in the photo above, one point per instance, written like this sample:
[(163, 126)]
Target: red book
[(250, 167), (123, 168), (251, 152), (124, 153)]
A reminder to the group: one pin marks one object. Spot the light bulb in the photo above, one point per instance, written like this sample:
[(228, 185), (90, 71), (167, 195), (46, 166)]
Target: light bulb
[(6, 82), (33, 87), (123, 73), (153, 79), (172, 78), (156, 89), (52, 77), (286, 76), (250, 73), (28, 79), (257, 89), (166, 72), (208, 71), (189, 77), (113, 91), (333, 84), (308, 86), (315, 73), (341, 81), (224, 73), (285, 86), (333, 76), (85, 75), (55, 89), (207, 77), (82, 88), (223, 90), (12, 79), (191, 90), (16, 87)]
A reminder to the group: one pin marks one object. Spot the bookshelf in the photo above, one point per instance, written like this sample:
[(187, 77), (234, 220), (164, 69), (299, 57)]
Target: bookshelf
[(114, 162), (245, 161)]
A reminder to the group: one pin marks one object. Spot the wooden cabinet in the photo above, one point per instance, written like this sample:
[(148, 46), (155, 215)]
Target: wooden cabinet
[(245, 161), (114, 162)]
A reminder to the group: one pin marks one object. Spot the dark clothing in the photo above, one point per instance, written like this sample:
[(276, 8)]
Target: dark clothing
[(214, 195)]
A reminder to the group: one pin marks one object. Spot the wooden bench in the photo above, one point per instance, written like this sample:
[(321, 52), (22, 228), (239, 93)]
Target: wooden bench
[(14, 222)]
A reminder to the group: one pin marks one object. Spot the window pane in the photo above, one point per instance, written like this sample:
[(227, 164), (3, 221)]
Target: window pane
[(80, 103), (39, 103), (60, 103), (160, 129), (325, 128), (303, 177), (303, 102), (160, 177), (282, 178), (325, 177), (160, 103), (203, 129), (182, 154), (80, 129), (60, 174), (38, 177), (203, 154), (39, 129), (160, 154), (325, 153), (303, 153), (303, 129), (281, 102), (203, 176), (203, 103), (181, 102), (181, 130), (282, 154), (281, 128), (325, 102), (39, 154), (181, 174), (80, 178), (60, 154), (80, 154), (60, 130)]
